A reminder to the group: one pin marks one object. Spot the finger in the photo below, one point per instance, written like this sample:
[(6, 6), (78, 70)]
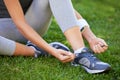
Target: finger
[(69, 53), (94, 49), (68, 60), (97, 49), (100, 49), (104, 46), (65, 59), (103, 43), (66, 53), (71, 58)]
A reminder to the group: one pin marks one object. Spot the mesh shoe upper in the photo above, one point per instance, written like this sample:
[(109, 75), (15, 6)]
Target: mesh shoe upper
[(90, 62), (59, 45), (41, 52), (38, 51)]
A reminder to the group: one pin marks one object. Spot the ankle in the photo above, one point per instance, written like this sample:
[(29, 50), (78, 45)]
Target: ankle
[(88, 35), (32, 50)]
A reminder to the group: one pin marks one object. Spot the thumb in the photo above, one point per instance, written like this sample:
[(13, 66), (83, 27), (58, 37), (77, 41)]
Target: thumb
[(66, 53)]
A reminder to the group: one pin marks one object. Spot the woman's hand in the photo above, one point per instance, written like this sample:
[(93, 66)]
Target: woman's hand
[(98, 45), (64, 56)]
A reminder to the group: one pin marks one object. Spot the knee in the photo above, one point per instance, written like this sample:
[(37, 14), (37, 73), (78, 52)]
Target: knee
[(7, 47)]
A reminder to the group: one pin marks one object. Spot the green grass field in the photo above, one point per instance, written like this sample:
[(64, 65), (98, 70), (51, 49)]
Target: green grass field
[(104, 19)]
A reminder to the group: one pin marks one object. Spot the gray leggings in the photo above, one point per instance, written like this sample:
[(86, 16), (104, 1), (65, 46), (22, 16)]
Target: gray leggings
[(39, 17)]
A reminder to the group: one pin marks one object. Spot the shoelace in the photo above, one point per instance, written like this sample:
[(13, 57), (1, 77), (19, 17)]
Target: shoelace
[(90, 54), (94, 57)]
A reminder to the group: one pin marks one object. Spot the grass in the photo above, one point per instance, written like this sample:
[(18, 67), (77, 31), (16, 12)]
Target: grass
[(103, 17)]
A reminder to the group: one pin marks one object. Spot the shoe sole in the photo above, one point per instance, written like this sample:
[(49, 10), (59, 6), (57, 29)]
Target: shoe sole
[(96, 71), (91, 71)]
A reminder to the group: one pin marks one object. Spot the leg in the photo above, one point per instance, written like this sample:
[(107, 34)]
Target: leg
[(75, 39), (9, 47), (65, 16), (12, 48), (22, 50), (39, 16), (9, 36), (67, 21), (10, 31)]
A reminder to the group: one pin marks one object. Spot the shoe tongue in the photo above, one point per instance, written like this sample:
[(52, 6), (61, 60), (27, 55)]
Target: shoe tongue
[(79, 50), (83, 50)]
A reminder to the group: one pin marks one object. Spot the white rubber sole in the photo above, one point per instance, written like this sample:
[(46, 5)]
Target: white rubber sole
[(91, 71), (95, 71)]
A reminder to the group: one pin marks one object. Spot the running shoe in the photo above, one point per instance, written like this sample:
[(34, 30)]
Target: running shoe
[(41, 52), (89, 62)]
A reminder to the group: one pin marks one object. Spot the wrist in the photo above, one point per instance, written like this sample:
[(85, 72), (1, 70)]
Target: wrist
[(91, 39), (53, 52), (88, 34), (82, 23)]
